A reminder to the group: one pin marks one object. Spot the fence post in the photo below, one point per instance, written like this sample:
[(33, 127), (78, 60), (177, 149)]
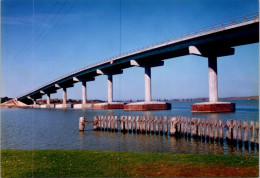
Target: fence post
[(257, 133), (245, 133), (99, 123), (156, 125), (199, 128), (161, 125), (108, 123), (152, 125), (105, 122), (220, 131), (194, 127), (134, 124), (203, 128), (165, 125), (240, 132), (116, 123), (137, 124), (148, 125), (121, 123), (82, 124), (252, 134), (129, 124)]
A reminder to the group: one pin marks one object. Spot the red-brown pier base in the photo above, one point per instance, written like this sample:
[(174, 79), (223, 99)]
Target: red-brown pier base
[(113, 105), (144, 106), (211, 107)]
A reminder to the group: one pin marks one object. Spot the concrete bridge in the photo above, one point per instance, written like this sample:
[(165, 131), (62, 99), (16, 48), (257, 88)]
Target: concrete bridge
[(210, 42)]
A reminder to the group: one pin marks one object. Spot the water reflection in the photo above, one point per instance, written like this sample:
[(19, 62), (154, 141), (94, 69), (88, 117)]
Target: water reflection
[(164, 144), (58, 129)]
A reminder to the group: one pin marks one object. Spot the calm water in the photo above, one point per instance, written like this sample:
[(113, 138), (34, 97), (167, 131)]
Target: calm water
[(58, 129)]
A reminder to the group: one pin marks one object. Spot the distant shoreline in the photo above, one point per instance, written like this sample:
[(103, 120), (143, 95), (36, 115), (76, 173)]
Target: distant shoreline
[(79, 101)]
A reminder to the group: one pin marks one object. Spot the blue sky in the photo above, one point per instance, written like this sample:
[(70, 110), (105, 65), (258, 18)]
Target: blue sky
[(46, 39)]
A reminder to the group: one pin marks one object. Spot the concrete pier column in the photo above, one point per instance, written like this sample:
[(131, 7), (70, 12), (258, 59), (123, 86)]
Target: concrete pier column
[(64, 96), (110, 88), (84, 93), (48, 99), (147, 83), (213, 79), (34, 102)]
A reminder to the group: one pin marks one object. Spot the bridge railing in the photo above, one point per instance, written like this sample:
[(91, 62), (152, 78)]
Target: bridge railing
[(198, 32)]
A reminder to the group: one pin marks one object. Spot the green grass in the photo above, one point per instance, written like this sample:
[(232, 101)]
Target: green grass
[(78, 163)]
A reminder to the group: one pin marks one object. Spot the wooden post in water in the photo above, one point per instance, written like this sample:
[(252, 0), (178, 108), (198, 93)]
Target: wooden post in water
[(216, 129), (165, 125), (199, 128), (203, 124), (207, 129), (245, 126), (141, 124), (81, 124), (220, 128), (112, 123), (235, 129), (194, 127), (173, 125), (129, 124), (99, 123), (228, 136), (105, 122), (156, 125), (160, 125), (134, 124), (121, 123), (108, 123), (102, 122), (257, 134), (125, 124), (189, 127), (116, 122), (96, 119), (210, 129), (152, 125), (137, 124), (252, 134), (148, 125), (184, 128), (240, 132), (178, 119)]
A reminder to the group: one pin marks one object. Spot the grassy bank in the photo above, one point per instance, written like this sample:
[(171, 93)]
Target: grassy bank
[(64, 163)]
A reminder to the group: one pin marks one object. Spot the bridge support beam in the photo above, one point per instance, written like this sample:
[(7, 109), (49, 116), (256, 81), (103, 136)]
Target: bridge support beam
[(213, 105), (148, 104)]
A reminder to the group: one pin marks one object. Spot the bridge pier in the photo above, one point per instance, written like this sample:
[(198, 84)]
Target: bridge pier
[(213, 105), (110, 104), (84, 104), (147, 84), (48, 104), (148, 104)]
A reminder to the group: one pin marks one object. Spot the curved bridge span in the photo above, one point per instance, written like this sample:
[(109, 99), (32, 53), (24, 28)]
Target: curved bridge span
[(211, 42)]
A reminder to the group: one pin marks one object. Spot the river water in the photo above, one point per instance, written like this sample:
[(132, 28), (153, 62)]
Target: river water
[(58, 129)]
